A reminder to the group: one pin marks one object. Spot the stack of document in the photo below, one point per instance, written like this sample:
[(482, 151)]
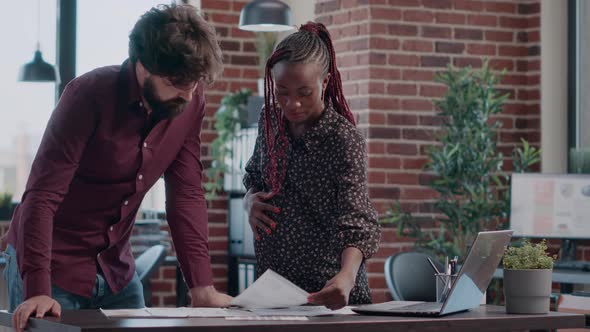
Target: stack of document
[(274, 295), (269, 295)]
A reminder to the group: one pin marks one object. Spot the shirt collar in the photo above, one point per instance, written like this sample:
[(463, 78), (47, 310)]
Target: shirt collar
[(320, 130), (128, 87)]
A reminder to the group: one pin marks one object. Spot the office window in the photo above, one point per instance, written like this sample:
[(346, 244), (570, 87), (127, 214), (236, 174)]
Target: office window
[(26, 106), (584, 72), (579, 81)]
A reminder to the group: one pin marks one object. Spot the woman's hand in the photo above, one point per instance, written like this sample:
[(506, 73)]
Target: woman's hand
[(335, 293), (256, 208)]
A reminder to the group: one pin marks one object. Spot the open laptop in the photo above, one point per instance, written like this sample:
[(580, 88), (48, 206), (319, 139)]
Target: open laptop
[(467, 290)]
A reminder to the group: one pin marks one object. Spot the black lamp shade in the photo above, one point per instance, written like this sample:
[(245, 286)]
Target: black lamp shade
[(266, 15), (38, 71)]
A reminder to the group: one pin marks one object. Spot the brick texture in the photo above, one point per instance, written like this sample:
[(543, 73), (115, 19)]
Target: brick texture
[(391, 90)]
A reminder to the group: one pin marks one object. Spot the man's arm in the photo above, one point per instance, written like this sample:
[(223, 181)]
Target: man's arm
[(57, 159), (55, 164), (186, 211)]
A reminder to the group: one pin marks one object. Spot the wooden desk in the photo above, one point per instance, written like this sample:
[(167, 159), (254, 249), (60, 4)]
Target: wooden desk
[(483, 319)]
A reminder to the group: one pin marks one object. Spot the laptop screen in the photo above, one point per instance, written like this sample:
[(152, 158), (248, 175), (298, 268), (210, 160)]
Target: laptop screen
[(477, 271)]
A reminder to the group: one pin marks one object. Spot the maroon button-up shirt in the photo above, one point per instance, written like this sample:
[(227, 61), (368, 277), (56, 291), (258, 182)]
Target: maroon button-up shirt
[(98, 158)]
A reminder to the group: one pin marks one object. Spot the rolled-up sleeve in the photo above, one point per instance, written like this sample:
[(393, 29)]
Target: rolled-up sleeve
[(356, 224), (186, 209)]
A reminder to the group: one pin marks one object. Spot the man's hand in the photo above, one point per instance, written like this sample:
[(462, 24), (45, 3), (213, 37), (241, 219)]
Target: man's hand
[(335, 293), (256, 208), (209, 297), (40, 305)]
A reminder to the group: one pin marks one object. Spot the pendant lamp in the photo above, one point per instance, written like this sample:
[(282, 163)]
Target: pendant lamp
[(38, 70), (266, 15)]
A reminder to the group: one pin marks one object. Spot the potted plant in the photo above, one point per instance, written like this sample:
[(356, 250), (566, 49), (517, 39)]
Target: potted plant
[(228, 121), (466, 168), (527, 278)]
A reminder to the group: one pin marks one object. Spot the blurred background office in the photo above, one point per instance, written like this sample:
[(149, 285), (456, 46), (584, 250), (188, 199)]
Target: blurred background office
[(388, 52)]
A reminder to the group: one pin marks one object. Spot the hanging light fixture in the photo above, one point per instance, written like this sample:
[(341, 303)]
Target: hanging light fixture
[(266, 15), (38, 70)]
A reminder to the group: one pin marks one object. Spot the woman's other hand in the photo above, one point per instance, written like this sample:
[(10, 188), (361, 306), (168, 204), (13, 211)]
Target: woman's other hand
[(256, 208)]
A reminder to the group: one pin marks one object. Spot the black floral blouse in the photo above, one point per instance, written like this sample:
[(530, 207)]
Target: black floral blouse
[(324, 206)]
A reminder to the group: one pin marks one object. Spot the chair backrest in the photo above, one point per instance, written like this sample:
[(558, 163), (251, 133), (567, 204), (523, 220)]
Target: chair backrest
[(149, 261), (410, 277)]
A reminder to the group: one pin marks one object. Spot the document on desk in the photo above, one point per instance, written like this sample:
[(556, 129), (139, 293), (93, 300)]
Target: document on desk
[(271, 290), (307, 311), (268, 318), (188, 312), (174, 313), (126, 313)]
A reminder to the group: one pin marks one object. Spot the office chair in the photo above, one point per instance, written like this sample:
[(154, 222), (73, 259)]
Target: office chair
[(410, 277), (146, 264)]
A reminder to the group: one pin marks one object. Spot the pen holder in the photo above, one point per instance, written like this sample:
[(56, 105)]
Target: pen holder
[(444, 282)]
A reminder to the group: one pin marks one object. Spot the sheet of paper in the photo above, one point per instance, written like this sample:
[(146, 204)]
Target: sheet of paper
[(268, 318), (119, 313), (216, 312), (271, 290), (238, 312), (308, 311), (168, 312), (174, 312)]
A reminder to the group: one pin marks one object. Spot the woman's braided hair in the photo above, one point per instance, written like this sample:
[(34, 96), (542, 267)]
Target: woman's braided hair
[(312, 43)]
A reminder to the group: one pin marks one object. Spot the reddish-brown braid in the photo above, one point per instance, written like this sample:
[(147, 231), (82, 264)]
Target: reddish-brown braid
[(274, 114), (334, 89), (312, 43)]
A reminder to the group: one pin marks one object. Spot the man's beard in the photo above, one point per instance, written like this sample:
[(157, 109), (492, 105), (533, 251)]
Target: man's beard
[(163, 109)]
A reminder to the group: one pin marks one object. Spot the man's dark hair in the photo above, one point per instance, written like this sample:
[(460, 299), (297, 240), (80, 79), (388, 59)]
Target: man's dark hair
[(176, 42)]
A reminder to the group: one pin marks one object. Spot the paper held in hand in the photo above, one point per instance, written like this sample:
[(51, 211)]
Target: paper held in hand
[(271, 290)]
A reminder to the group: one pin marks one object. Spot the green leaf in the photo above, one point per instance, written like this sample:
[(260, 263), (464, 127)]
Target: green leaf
[(528, 256), (227, 124)]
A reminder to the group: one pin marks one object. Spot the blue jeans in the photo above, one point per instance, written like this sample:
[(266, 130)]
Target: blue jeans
[(129, 297)]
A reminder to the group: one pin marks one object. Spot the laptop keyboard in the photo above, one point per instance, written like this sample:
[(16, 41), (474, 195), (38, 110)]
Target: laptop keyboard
[(419, 307)]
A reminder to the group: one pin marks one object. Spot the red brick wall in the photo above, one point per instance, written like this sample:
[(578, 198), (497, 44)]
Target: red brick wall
[(240, 71), (388, 52)]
